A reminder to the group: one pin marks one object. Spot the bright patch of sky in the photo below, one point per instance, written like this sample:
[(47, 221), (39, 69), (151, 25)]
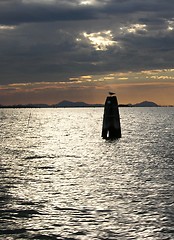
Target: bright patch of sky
[(6, 27), (170, 25), (100, 40), (131, 77), (88, 2), (134, 28)]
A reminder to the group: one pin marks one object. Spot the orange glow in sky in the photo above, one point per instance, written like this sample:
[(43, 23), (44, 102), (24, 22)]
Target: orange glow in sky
[(130, 87)]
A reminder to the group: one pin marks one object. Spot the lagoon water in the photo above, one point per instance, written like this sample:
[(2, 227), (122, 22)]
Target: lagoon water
[(60, 180)]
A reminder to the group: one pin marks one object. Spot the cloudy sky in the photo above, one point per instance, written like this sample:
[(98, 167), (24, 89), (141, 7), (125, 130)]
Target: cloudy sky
[(78, 50)]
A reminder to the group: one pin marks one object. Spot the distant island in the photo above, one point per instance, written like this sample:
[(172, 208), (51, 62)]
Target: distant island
[(145, 104), (66, 103), (70, 104)]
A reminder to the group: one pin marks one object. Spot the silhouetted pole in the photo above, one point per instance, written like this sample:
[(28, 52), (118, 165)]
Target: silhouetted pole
[(111, 119)]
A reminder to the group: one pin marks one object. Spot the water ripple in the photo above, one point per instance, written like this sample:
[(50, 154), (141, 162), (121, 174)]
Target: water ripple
[(61, 180)]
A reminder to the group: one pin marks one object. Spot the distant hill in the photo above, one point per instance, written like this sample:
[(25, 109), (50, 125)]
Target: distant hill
[(145, 104), (66, 103)]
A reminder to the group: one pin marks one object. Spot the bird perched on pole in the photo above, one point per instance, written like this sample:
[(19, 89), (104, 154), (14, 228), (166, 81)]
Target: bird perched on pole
[(111, 93)]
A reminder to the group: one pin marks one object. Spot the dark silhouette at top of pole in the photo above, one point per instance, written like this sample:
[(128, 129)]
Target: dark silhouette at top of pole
[(111, 119), (111, 93)]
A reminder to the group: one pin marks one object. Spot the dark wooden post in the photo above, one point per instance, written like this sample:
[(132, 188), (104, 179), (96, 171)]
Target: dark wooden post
[(111, 119)]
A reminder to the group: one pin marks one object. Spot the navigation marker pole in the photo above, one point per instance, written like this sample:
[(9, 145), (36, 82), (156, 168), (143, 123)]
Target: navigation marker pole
[(111, 118)]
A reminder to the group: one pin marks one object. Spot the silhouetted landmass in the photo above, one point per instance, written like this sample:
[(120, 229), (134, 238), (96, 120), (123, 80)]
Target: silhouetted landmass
[(146, 104), (66, 103), (62, 104), (26, 106), (69, 104)]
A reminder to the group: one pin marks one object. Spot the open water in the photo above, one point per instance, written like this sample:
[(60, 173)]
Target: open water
[(60, 180)]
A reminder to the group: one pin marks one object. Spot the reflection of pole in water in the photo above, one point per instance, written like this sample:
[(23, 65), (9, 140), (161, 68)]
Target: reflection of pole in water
[(111, 119)]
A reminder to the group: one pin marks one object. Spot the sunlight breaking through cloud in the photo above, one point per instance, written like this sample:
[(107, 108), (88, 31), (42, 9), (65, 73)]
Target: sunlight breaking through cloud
[(6, 27), (88, 2), (100, 40), (134, 28), (170, 25)]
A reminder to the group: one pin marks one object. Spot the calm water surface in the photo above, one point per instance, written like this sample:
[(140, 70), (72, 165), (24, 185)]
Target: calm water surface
[(61, 180)]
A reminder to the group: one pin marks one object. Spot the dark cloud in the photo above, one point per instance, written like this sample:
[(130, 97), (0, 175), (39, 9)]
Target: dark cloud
[(45, 41), (16, 11)]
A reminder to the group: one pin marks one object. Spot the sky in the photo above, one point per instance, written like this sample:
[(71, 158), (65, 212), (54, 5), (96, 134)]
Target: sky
[(78, 50)]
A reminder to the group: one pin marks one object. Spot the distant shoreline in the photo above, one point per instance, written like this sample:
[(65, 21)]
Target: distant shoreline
[(69, 104)]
